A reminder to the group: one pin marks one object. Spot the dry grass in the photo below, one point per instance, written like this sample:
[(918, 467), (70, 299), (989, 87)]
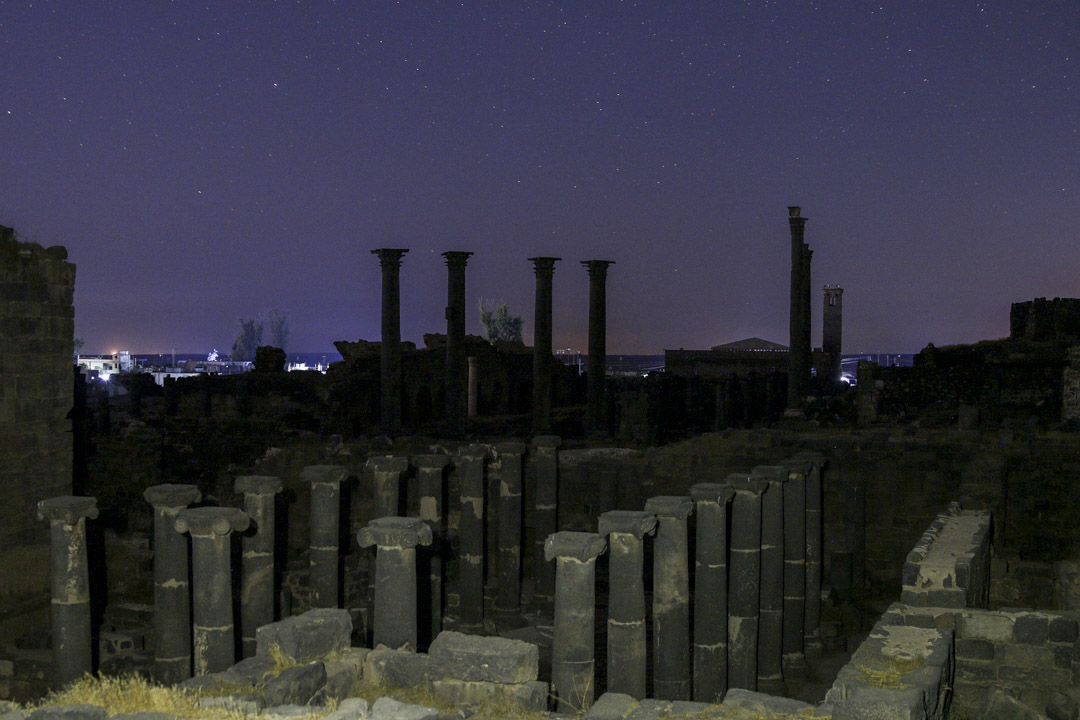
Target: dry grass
[(131, 693), (735, 713), (888, 674)]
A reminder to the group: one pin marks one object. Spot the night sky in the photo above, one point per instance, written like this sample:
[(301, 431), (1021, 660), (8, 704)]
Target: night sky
[(206, 161)]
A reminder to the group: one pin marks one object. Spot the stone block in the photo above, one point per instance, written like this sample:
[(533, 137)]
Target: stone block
[(252, 670), (247, 703), (489, 659), (296, 685), (1062, 706), (867, 703), (389, 709), (350, 709), (649, 709), (1062, 629), (1034, 676), (344, 671), (975, 670), (69, 712), (143, 716), (396, 668), (530, 696), (1032, 629), (755, 702), (310, 636), (995, 627), (1032, 656), (292, 711), (610, 706), (1000, 706)]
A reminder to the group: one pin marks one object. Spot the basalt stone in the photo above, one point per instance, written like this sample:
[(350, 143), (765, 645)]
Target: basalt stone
[(253, 670), (350, 709), (343, 671), (490, 659), (307, 637), (611, 706), (766, 705), (144, 716), (389, 709), (246, 703), (1001, 706), (292, 711), (530, 696), (69, 712), (296, 684), (396, 668)]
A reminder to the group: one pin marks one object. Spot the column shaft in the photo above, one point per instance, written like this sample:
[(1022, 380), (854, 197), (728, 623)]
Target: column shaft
[(671, 598), (324, 550), (771, 601), (814, 542), (471, 546), (797, 386), (546, 512), (544, 267), (794, 568), (597, 341), (508, 595), (212, 618), (257, 577), (744, 574), (474, 382), (430, 487), (390, 345), (711, 592), (456, 379)]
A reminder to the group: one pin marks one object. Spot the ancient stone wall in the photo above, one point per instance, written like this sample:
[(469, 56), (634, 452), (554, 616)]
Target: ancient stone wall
[(950, 565), (1070, 390), (1042, 319), (36, 395)]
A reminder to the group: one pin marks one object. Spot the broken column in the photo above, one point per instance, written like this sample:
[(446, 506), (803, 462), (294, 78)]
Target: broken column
[(430, 471), (395, 577), (814, 542), (70, 604), (544, 268), (257, 578), (794, 567), (474, 383), (597, 340), (386, 488), (770, 654), (710, 591), (671, 597), (211, 573), (390, 345), (456, 379), (546, 512), (325, 526), (744, 574), (172, 601), (572, 646), (470, 466), (798, 354), (508, 595), (626, 632)]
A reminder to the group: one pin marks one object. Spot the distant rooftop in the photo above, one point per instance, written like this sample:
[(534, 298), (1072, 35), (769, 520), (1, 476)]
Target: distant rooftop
[(754, 344)]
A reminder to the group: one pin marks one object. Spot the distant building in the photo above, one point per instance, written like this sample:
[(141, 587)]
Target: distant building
[(741, 357), (104, 366)]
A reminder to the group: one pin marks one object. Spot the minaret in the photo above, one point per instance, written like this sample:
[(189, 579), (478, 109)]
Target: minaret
[(832, 330)]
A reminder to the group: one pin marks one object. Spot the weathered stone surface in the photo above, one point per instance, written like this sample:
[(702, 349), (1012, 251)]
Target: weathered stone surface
[(253, 670), (351, 709), (296, 684), (292, 711), (610, 706), (389, 709), (307, 637), (530, 696), (476, 658), (1062, 706), (247, 703), (396, 668), (343, 671), (1001, 706), (69, 712), (764, 704)]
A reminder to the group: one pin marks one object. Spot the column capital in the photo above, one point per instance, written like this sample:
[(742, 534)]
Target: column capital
[(510, 448), (68, 509), (331, 474), (580, 546), (629, 522), (676, 506), (712, 492), (597, 268), (388, 463), (774, 474), (403, 532), (473, 452), (211, 521), (430, 462), (796, 466), (456, 258), (746, 483), (172, 495), (258, 485), (544, 266), (547, 441), (390, 257)]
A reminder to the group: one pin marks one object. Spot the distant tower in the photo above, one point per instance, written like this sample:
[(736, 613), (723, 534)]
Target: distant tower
[(831, 330)]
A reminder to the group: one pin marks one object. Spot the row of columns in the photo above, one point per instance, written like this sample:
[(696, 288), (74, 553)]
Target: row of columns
[(460, 390)]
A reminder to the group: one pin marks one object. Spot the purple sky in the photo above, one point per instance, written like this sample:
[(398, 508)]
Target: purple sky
[(205, 163)]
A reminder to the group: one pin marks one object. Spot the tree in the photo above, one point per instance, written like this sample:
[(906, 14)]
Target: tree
[(499, 324), (248, 338), (278, 323)]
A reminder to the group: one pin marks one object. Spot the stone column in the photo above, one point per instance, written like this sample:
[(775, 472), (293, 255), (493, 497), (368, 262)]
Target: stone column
[(257, 579), (597, 340), (508, 596), (386, 488), (814, 542), (325, 527), (744, 574), (805, 325), (430, 470), (395, 577), (711, 591), (544, 268), (470, 465), (456, 379), (671, 597), (573, 645), (211, 573), (797, 354), (390, 345), (474, 382), (794, 568), (71, 638), (855, 511), (172, 601), (770, 655), (546, 450), (626, 633)]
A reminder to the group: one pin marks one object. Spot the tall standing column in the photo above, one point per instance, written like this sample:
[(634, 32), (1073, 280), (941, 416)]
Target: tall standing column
[(470, 464), (770, 653), (597, 340), (70, 606), (794, 568), (257, 579), (386, 489), (430, 472), (573, 644), (544, 268), (744, 575), (211, 573), (798, 355), (474, 384), (395, 577), (325, 527), (626, 632), (814, 542), (671, 597), (456, 379), (805, 325), (390, 345), (546, 513), (508, 596), (172, 601), (710, 591)]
